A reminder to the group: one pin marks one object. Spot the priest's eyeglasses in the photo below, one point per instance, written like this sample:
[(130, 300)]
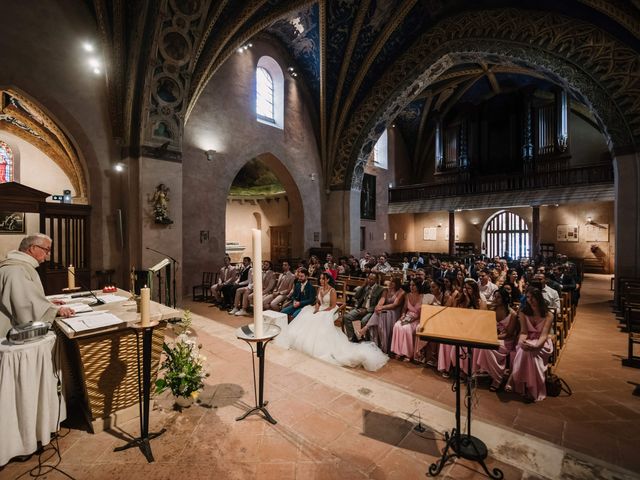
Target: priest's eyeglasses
[(46, 250)]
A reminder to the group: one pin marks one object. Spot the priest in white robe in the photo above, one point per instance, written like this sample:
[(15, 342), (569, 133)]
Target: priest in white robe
[(22, 298)]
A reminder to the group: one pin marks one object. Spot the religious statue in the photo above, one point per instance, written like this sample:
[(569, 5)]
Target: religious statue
[(161, 205)]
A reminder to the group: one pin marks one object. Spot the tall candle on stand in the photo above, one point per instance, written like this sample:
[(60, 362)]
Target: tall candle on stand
[(71, 277), (258, 326), (145, 305)]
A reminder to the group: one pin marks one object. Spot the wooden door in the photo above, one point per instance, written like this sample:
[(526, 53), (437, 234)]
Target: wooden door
[(280, 243)]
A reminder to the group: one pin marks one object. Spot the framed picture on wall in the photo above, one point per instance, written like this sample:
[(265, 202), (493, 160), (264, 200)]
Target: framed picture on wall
[(11, 222), (368, 198), (567, 233)]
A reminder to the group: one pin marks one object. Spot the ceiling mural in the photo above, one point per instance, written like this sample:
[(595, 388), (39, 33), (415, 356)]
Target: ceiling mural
[(360, 59)]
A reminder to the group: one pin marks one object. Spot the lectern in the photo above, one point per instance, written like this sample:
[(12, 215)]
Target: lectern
[(461, 328)]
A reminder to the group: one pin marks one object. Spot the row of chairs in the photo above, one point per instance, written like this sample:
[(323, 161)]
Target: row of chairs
[(629, 317)]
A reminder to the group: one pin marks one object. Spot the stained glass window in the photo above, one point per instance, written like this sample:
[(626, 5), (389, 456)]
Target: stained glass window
[(264, 95), (6, 163)]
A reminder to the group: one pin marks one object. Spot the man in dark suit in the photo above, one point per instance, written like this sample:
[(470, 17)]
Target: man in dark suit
[(366, 298), (303, 294)]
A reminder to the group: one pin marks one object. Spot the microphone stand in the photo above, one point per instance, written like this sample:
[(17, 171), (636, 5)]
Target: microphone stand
[(174, 264), (78, 295)]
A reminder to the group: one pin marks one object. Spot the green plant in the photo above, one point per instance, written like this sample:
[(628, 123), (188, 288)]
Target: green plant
[(183, 366)]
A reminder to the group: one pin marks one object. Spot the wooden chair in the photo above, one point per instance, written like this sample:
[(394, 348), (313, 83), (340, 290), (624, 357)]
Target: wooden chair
[(208, 279), (631, 313)]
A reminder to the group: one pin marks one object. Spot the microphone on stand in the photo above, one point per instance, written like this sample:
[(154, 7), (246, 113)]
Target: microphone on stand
[(78, 295)]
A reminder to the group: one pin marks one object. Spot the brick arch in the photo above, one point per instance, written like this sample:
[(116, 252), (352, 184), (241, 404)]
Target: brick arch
[(599, 70)]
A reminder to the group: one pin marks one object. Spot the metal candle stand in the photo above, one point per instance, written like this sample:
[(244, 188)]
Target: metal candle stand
[(464, 445), (144, 392), (245, 333)]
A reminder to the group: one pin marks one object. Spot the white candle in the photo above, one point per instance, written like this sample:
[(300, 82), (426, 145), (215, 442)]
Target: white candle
[(71, 277), (145, 305), (258, 326)]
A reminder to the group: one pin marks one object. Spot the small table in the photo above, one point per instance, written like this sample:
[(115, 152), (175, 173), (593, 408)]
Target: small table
[(29, 402), (245, 333)]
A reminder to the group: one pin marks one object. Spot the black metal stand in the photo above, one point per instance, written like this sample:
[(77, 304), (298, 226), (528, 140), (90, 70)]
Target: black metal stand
[(144, 393), (464, 445), (245, 333)]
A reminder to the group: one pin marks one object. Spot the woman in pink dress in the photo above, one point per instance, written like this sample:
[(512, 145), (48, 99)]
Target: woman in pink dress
[(494, 362), (424, 350), (468, 297), (385, 315), (404, 330), (533, 349)]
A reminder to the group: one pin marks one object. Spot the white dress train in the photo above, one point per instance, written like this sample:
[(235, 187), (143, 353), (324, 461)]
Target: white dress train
[(316, 335)]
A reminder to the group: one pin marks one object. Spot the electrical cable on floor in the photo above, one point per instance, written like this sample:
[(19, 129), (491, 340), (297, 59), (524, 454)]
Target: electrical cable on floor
[(43, 468)]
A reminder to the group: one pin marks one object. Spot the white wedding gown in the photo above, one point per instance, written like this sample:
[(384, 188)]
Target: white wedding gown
[(315, 334)]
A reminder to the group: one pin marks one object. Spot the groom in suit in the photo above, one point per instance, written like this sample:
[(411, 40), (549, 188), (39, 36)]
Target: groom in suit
[(303, 294), (366, 299)]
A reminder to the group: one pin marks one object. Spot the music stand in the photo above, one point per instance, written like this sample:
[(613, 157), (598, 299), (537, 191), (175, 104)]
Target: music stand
[(461, 327)]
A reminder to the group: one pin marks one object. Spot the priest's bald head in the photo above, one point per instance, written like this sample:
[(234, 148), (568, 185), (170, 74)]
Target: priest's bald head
[(37, 246)]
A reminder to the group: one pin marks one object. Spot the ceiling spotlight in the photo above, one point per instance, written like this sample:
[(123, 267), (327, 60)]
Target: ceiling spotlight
[(119, 167), (239, 50), (290, 69), (210, 154), (87, 47), (250, 45)]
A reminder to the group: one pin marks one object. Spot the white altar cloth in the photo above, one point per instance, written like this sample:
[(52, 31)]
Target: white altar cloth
[(28, 397), (280, 319)]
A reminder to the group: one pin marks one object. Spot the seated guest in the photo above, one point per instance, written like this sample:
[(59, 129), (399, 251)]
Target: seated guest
[(486, 286), (382, 266), (386, 312), (549, 294), (23, 300), (268, 284), (343, 266), (366, 298), (515, 284), (468, 298), (421, 282), (315, 268), (533, 349), (228, 275), (413, 264), (244, 276), (424, 351), (405, 264), (404, 331), (366, 258), (303, 294), (283, 287), (494, 362), (354, 267)]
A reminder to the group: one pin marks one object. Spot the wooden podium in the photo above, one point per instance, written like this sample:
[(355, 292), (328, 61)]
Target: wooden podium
[(468, 328)]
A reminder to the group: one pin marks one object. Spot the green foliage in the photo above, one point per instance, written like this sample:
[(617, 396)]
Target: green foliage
[(183, 366)]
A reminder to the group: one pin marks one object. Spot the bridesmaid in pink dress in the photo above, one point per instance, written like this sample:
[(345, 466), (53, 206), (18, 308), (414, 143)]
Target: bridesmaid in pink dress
[(533, 349), (424, 350), (469, 297), (385, 315), (404, 331), (494, 362)]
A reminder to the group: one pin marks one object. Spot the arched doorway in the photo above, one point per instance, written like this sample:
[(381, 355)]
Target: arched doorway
[(506, 234), (263, 195)]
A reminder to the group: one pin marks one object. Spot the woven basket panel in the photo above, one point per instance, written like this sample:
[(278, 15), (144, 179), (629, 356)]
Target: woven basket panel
[(111, 369)]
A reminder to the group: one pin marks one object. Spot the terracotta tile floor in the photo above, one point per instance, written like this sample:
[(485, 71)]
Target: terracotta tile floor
[(325, 433)]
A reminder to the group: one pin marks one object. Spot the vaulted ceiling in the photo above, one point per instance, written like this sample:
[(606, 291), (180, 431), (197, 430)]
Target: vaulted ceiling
[(160, 56)]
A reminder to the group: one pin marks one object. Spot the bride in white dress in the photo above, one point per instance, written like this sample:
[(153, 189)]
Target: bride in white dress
[(314, 333)]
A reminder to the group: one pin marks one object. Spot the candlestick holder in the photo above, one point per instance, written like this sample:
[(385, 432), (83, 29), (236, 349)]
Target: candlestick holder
[(246, 334), (144, 391)]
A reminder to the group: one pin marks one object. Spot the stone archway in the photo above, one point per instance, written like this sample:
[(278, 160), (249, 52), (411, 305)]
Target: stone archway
[(291, 203)]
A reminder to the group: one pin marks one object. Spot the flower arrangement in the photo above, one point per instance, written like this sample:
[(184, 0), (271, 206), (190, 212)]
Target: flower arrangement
[(183, 365)]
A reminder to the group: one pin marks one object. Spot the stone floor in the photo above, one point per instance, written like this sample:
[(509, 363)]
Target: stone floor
[(350, 424)]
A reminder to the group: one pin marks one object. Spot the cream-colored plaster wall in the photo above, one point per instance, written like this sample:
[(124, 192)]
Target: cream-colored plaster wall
[(272, 213), (224, 120), (36, 170), (469, 226)]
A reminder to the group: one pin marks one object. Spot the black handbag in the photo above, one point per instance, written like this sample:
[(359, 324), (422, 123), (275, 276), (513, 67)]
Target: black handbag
[(555, 386)]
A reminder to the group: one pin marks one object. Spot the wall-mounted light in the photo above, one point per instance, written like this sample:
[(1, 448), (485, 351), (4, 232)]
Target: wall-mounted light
[(590, 221), (312, 177), (210, 154), (245, 47), (439, 225), (119, 167), (292, 72), (88, 47)]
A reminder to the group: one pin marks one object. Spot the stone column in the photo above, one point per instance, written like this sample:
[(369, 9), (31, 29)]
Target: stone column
[(535, 231), (626, 169), (452, 232), (343, 221)]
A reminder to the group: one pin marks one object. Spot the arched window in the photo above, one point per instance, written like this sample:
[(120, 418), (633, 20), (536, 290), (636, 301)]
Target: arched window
[(264, 95), (506, 234), (269, 92), (380, 150), (6, 163)]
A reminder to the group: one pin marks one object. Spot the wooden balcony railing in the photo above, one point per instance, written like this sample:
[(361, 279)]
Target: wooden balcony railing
[(593, 174)]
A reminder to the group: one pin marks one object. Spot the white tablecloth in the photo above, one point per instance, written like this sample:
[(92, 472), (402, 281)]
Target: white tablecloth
[(28, 397), (279, 319)]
